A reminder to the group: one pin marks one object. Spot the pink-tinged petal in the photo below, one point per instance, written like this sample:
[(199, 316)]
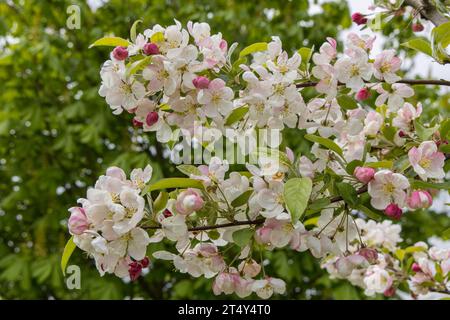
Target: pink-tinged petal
[(216, 84)]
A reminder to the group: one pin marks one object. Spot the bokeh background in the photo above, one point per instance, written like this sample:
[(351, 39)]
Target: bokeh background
[(57, 135)]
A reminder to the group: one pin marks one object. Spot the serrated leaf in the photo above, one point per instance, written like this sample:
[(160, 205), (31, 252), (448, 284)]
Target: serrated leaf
[(306, 54), (380, 164), (242, 199), (423, 132), (444, 129), (243, 236), (236, 115), (111, 42), (296, 196), (327, 143), (348, 193), (138, 65), (419, 44), (189, 169), (68, 250), (259, 46), (419, 184)]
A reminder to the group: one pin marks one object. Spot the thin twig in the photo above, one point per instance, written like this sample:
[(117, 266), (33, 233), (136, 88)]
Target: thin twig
[(247, 222)]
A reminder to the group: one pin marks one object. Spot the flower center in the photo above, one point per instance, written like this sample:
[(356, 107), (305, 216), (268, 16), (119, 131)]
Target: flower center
[(389, 187), (354, 71), (425, 163), (385, 67)]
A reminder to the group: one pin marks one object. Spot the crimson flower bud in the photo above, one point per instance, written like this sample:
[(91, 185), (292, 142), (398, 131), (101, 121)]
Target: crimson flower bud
[(417, 27), (359, 18), (152, 118), (120, 53), (415, 267), (145, 262), (393, 211), (201, 82), (363, 94), (150, 49)]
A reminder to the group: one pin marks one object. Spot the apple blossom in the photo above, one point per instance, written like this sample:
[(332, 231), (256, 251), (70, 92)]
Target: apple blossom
[(386, 65), (189, 201), (419, 199), (427, 161), (364, 174), (386, 188)]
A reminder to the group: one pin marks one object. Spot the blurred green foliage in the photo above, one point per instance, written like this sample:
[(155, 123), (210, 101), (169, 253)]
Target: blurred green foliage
[(57, 136)]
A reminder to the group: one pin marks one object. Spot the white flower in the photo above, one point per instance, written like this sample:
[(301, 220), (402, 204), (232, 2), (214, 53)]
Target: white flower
[(373, 123), (386, 188), (396, 97), (217, 99), (174, 227), (353, 70), (406, 115), (427, 161), (386, 64), (140, 177), (377, 280), (267, 287), (271, 200)]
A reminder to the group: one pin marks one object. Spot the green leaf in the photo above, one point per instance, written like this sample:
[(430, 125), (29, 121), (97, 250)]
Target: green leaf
[(111, 42), (348, 193), (236, 115), (369, 213), (243, 236), (346, 102), (173, 183), (423, 132), (380, 164), (327, 143), (419, 184), (189, 169), (440, 39), (306, 54), (259, 46), (296, 195), (444, 129), (242, 199), (138, 65), (419, 44), (160, 202), (157, 37), (68, 250), (133, 30)]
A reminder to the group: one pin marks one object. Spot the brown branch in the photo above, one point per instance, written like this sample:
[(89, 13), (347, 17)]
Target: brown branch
[(247, 222), (440, 82), (428, 11)]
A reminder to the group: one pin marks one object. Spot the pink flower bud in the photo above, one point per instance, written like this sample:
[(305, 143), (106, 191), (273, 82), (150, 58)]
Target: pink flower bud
[(359, 18), (371, 255), (364, 174), (120, 53), (137, 123), (401, 134), (363, 94), (188, 202), (134, 270), (78, 222), (419, 199), (417, 27), (415, 267), (393, 211), (389, 292), (152, 118), (201, 82), (150, 49)]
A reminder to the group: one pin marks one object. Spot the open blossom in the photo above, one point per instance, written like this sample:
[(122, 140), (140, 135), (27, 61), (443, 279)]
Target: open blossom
[(395, 97), (231, 282), (353, 70), (406, 115), (427, 161), (373, 123), (387, 187), (327, 52), (78, 221), (377, 280), (267, 287), (386, 65), (216, 98)]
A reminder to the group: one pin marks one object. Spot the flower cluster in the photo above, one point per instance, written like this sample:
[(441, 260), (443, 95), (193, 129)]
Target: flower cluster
[(370, 160)]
